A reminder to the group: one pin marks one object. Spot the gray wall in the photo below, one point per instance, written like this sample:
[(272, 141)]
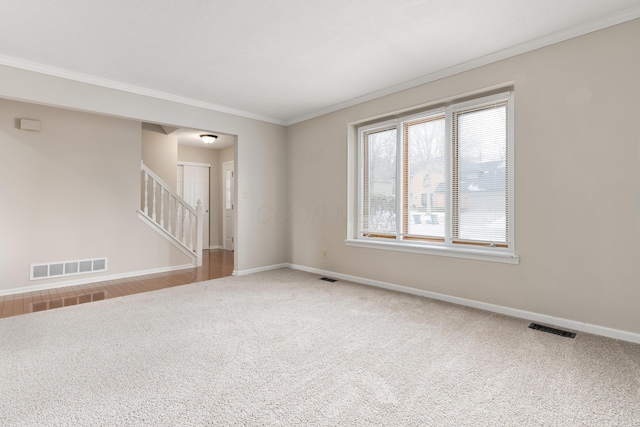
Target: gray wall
[(160, 153), (577, 161), (577, 171), (71, 192), (259, 155)]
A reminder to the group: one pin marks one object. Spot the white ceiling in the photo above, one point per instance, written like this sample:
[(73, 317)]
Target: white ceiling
[(283, 60)]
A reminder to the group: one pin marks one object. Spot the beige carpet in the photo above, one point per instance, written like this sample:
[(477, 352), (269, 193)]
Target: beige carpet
[(285, 348)]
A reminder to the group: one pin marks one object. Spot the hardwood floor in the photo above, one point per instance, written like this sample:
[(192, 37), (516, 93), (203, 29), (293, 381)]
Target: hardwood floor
[(216, 263)]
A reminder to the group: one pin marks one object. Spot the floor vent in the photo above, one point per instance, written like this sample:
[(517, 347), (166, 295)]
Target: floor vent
[(67, 268), (550, 330), (327, 279)]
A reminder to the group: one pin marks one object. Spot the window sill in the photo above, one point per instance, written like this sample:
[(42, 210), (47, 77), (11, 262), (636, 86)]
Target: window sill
[(466, 253)]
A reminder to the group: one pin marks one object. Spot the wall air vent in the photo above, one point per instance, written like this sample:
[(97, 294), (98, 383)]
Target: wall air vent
[(67, 268), (554, 331)]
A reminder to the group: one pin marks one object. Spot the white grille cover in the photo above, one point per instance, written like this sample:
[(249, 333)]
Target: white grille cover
[(67, 268)]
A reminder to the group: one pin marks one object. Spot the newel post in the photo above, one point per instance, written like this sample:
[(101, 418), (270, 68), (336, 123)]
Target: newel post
[(199, 230)]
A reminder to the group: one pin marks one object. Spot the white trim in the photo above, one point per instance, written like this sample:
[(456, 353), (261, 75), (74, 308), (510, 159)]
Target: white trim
[(560, 36), (511, 176), (513, 312), (353, 178), (259, 269), (169, 238), (493, 255), (215, 247), (91, 279), (229, 165), (111, 84), (479, 102), (204, 165)]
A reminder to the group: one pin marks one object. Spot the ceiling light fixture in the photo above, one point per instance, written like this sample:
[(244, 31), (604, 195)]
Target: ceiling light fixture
[(208, 139)]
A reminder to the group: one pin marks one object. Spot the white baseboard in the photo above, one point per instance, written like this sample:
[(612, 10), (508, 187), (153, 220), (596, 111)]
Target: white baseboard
[(259, 269), (522, 314), (91, 279), (216, 247)]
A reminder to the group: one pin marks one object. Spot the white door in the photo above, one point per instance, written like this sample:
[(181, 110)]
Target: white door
[(228, 204), (194, 183)]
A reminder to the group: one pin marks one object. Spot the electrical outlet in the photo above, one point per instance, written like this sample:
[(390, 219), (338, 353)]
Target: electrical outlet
[(324, 253)]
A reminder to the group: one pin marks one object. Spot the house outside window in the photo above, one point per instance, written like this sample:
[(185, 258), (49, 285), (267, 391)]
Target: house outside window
[(440, 181)]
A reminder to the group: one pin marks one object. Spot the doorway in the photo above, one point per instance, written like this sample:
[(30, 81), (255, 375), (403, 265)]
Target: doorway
[(193, 185)]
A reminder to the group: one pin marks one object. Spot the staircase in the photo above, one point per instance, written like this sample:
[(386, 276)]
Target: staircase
[(171, 216)]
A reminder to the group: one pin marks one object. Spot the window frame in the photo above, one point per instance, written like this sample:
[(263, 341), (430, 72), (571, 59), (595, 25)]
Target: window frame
[(356, 235)]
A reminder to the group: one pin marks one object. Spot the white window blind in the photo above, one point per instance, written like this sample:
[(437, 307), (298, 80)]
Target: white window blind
[(480, 175), (379, 182), (440, 178)]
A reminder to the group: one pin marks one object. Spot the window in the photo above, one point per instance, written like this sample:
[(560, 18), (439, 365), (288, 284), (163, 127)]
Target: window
[(439, 181), (228, 178)]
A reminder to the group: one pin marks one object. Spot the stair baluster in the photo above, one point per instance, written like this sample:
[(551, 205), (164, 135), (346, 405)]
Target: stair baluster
[(182, 224)]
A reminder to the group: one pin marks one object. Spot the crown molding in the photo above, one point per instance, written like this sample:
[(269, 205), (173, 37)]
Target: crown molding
[(560, 36), (598, 24), (111, 84)]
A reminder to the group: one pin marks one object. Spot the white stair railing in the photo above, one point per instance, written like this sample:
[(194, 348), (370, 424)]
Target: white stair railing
[(171, 215)]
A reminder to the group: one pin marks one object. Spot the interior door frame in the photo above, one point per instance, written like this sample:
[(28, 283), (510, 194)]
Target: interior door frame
[(225, 236), (206, 209)]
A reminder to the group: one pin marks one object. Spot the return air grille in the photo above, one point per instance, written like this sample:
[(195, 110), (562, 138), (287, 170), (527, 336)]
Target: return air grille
[(67, 268), (554, 331)]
